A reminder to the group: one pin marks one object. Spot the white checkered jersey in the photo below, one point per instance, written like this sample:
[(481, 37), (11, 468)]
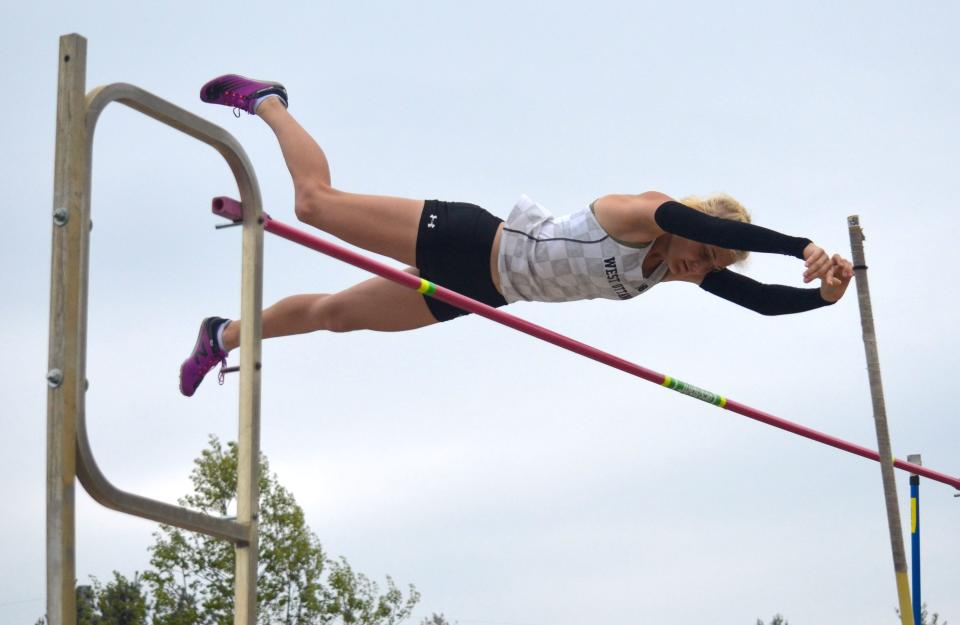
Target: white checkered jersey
[(560, 259)]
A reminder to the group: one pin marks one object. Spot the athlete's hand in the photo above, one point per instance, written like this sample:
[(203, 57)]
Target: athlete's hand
[(817, 262), (834, 284)]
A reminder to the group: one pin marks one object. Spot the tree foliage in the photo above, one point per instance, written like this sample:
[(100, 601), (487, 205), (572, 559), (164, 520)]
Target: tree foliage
[(436, 619), (119, 602), (192, 576), (776, 620)]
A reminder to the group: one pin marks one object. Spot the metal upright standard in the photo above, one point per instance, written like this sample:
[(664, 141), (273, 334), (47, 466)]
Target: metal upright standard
[(69, 454), (880, 421), (915, 538)]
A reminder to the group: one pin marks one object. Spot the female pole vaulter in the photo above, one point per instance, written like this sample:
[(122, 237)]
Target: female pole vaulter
[(617, 247)]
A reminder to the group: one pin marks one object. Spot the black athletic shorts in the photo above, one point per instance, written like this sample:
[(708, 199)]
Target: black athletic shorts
[(453, 250)]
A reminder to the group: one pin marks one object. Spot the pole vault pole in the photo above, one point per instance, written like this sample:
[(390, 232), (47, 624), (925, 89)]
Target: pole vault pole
[(880, 420), (232, 210)]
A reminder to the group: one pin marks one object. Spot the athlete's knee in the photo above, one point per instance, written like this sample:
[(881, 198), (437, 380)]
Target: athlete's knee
[(312, 200), (338, 316)]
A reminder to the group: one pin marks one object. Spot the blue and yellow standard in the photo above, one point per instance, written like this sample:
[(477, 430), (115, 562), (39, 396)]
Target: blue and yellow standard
[(915, 544)]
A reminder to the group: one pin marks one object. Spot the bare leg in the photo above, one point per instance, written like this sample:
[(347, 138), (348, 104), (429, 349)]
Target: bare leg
[(379, 224), (376, 304), (305, 159)]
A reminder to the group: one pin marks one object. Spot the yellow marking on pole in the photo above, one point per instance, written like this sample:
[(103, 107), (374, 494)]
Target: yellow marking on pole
[(903, 593)]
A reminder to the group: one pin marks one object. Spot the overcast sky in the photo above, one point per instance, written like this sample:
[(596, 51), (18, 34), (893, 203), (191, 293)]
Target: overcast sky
[(511, 482)]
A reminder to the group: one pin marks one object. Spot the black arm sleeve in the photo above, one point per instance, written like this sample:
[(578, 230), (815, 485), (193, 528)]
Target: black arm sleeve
[(679, 219), (766, 299)]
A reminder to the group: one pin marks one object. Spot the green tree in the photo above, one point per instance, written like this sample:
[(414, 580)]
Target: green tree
[(436, 619), (86, 606), (192, 577), (353, 598), (121, 601), (776, 620)]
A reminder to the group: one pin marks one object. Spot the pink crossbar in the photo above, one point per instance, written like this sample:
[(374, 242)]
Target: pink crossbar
[(231, 209), (228, 208)]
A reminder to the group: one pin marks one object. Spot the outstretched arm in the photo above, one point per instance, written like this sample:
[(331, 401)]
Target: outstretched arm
[(646, 216), (679, 219), (776, 299)]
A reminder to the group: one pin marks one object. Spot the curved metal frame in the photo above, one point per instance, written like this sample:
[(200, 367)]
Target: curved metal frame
[(69, 453), (89, 473)]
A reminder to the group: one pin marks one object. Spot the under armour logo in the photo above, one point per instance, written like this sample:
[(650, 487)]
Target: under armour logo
[(433, 218)]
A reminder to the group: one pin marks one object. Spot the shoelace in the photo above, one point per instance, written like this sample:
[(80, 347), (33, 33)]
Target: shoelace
[(236, 99), (223, 373)]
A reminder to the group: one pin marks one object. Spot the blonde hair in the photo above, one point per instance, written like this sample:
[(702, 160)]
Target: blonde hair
[(723, 206)]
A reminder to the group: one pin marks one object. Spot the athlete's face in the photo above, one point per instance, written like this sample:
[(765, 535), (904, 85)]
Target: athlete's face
[(686, 258)]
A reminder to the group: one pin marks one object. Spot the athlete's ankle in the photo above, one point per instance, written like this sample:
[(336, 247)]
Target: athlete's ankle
[(228, 340), (268, 104)]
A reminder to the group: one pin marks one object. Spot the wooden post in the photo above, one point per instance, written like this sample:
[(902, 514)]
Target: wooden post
[(880, 421), (248, 442), (68, 291)]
